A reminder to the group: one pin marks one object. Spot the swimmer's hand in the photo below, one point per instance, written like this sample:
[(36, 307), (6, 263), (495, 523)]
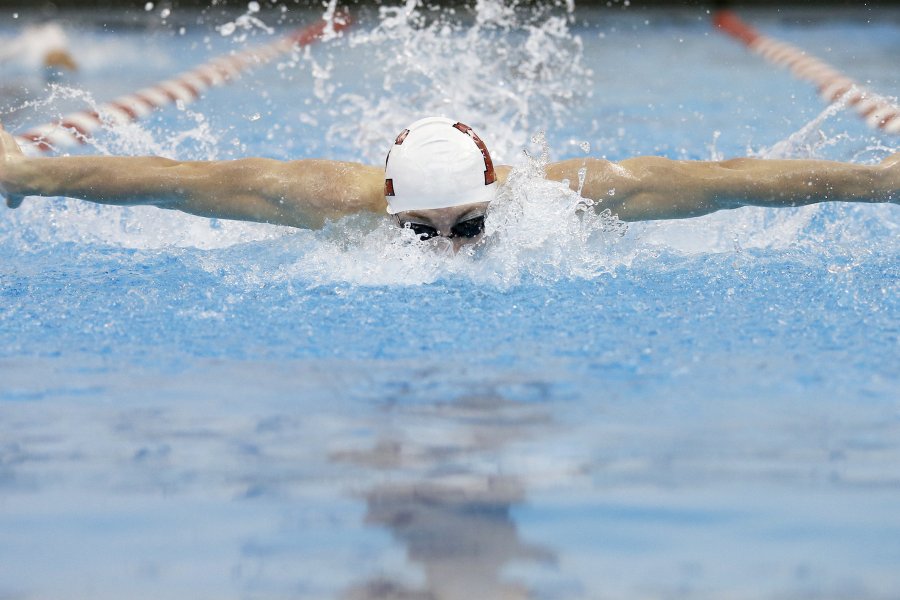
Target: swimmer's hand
[(10, 156)]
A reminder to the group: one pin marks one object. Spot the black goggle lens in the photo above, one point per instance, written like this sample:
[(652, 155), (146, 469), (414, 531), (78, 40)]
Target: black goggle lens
[(467, 229), (423, 231)]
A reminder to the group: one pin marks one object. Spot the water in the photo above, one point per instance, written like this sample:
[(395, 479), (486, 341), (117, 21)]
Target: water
[(696, 409)]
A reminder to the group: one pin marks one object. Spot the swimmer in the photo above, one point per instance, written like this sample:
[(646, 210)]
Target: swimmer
[(40, 46), (439, 181)]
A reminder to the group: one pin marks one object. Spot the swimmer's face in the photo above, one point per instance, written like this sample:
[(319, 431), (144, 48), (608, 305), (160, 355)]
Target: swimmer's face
[(460, 224)]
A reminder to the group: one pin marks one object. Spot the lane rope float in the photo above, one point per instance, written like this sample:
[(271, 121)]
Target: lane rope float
[(878, 111), (76, 128)]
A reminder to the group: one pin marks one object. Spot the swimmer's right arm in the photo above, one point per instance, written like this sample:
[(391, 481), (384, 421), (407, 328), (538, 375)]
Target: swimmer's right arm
[(302, 193), (649, 187)]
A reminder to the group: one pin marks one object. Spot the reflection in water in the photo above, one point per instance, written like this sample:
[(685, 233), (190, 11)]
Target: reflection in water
[(448, 502)]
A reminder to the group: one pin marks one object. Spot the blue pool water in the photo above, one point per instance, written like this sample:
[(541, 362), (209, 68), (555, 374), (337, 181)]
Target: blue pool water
[(697, 409)]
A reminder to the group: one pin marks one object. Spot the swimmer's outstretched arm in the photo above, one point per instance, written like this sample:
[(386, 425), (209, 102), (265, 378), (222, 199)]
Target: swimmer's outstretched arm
[(647, 188), (301, 193)]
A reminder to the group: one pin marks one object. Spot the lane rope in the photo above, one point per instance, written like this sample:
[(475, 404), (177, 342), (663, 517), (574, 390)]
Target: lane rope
[(76, 128), (878, 111)]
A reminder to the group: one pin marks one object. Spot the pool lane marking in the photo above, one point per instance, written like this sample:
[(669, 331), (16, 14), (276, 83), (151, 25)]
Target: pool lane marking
[(76, 128), (878, 111)]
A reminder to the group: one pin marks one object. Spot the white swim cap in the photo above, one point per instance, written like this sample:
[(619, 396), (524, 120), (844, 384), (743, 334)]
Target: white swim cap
[(436, 163)]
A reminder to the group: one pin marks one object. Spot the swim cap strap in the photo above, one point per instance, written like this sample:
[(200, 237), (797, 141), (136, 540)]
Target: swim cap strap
[(389, 183), (489, 175)]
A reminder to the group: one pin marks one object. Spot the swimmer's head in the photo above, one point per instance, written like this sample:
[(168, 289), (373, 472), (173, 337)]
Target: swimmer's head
[(60, 59), (437, 163), (460, 225), (439, 179), (57, 63)]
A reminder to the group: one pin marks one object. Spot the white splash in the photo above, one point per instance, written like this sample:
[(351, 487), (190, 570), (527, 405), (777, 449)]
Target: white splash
[(244, 24), (507, 74)]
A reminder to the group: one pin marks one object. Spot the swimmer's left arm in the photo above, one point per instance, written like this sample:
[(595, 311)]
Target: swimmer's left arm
[(299, 194), (303, 193), (647, 188)]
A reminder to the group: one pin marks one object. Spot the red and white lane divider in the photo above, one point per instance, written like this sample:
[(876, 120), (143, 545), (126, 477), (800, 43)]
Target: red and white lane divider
[(76, 128), (878, 111)]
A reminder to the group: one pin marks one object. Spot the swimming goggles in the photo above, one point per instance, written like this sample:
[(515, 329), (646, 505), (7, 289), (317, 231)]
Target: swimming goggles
[(467, 229)]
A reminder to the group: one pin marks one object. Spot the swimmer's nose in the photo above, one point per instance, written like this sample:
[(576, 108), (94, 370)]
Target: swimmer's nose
[(460, 241)]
